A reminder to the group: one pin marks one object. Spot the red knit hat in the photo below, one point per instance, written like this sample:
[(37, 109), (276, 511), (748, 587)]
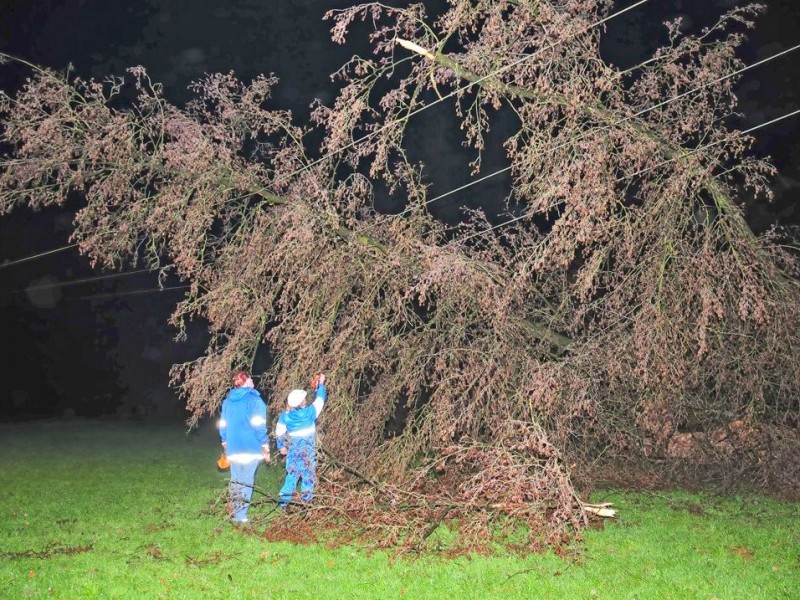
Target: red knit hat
[(240, 378)]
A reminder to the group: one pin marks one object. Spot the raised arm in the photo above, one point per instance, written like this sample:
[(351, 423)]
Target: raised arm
[(322, 395)]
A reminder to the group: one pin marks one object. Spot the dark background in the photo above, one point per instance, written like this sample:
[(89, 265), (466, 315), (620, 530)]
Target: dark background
[(102, 347)]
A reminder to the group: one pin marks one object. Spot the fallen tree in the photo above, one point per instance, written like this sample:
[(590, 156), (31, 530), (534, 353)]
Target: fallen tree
[(625, 303)]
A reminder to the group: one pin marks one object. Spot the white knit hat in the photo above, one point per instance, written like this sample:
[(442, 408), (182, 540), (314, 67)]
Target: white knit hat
[(296, 398)]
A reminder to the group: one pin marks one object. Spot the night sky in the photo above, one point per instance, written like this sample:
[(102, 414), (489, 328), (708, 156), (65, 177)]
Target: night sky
[(103, 346)]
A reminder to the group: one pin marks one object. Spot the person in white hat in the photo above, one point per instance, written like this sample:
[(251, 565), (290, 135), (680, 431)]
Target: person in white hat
[(297, 426)]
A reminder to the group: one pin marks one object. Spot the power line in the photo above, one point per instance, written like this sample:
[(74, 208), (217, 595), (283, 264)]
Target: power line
[(710, 144), (76, 281), (132, 293), (35, 256), (606, 127), (642, 171), (493, 73), (443, 98)]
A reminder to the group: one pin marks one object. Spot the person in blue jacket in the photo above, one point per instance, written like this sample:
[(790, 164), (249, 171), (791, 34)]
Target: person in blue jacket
[(243, 431), (297, 426)]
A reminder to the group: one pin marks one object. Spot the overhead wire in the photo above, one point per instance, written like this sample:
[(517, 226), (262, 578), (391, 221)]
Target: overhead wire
[(35, 256), (475, 234), (642, 171), (467, 86), (131, 293), (76, 281), (606, 127), (440, 99)]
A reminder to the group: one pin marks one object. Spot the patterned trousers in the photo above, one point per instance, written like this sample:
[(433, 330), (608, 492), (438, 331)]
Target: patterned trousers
[(301, 464)]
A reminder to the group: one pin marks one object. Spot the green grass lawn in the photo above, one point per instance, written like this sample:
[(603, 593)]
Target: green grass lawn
[(107, 509)]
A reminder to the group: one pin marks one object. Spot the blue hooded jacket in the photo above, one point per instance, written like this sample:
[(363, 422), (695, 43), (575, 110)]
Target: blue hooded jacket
[(243, 425)]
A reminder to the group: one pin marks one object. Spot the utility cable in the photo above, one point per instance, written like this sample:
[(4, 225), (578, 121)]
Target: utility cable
[(132, 293), (76, 281), (35, 256), (606, 127), (369, 136), (642, 171), (493, 73)]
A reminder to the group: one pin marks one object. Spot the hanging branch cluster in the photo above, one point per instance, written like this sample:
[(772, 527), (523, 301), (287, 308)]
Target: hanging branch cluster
[(628, 303)]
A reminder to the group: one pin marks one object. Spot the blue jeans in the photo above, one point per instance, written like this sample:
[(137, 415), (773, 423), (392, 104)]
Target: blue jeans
[(243, 477), (301, 463)]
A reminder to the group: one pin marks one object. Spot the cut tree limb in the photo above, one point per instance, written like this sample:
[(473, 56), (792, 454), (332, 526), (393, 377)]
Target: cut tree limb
[(601, 510)]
